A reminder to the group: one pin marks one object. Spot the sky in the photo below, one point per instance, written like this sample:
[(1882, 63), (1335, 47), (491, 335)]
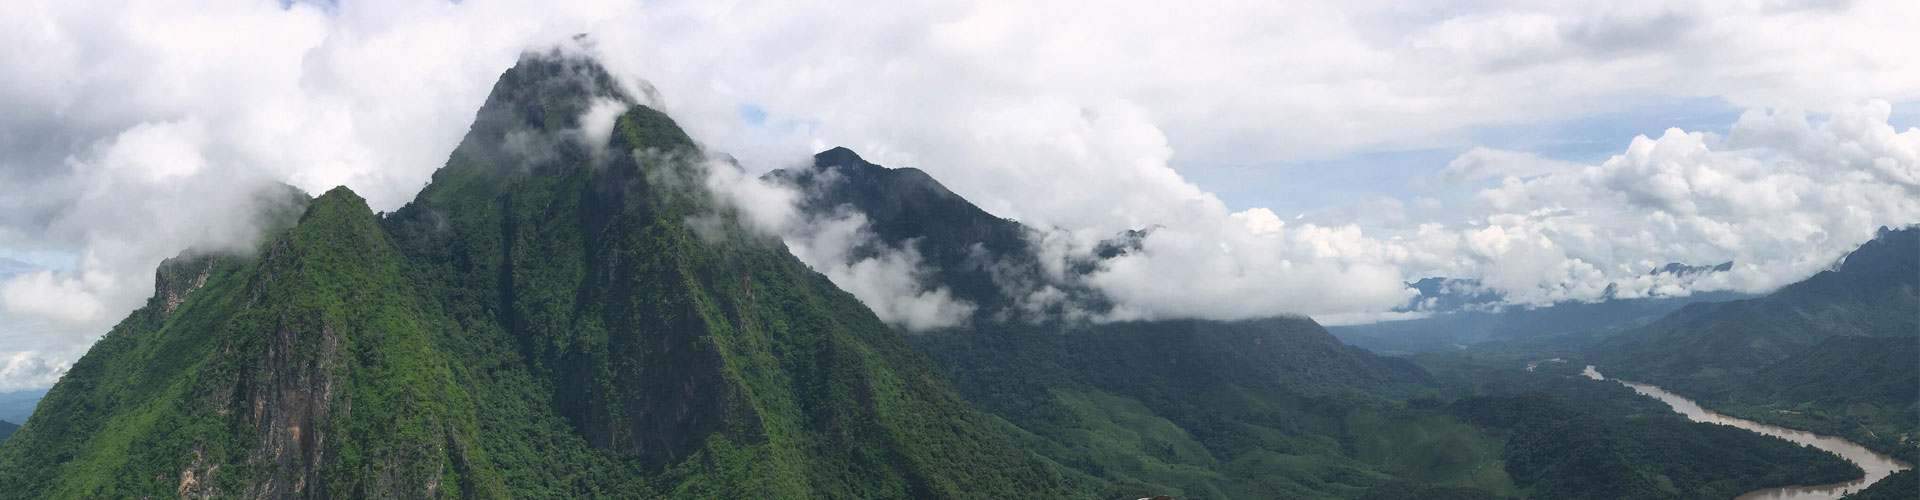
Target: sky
[(1296, 157)]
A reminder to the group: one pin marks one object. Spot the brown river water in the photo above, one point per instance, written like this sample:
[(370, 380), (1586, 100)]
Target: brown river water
[(1878, 466)]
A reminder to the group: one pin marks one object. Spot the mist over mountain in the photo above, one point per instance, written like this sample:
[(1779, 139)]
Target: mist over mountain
[(968, 249), (995, 268), (1455, 313), (1835, 353), (1103, 396), (1869, 293), (548, 317), (1035, 353)]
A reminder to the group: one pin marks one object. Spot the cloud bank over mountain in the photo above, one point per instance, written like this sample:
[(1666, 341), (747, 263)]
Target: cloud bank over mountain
[(138, 130)]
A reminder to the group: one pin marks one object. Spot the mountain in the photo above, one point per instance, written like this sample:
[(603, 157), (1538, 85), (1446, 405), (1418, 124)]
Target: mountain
[(7, 429), (1834, 353), (1556, 326), (1871, 293), (1683, 270), (983, 259), (1451, 295), (548, 318), (1457, 313), (18, 405), (1276, 407), (1263, 408)]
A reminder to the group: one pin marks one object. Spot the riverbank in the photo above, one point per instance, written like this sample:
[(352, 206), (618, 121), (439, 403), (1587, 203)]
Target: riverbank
[(1877, 466)]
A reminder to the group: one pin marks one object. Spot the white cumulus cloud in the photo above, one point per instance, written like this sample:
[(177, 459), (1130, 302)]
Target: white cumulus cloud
[(135, 130)]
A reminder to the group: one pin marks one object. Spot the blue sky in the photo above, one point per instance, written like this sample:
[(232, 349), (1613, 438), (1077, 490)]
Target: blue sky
[(1304, 186)]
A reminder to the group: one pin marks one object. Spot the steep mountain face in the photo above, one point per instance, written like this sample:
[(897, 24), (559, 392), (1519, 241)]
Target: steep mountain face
[(1834, 353), (1209, 409), (552, 316)]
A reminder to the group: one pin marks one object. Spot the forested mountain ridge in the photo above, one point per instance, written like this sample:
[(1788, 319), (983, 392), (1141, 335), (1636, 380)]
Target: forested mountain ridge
[(544, 320), (1276, 407), (1871, 293), (1835, 353), (1187, 407)]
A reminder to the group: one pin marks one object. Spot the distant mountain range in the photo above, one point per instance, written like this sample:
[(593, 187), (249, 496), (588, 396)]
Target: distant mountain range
[(1438, 295), (1461, 324), (1455, 313), (18, 405)]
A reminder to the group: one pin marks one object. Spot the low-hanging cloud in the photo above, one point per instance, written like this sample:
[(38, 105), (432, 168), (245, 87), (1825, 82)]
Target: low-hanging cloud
[(890, 280)]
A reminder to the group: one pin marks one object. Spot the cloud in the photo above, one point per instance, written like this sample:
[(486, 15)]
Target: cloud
[(1229, 271), (892, 281), (134, 130), (137, 130), (22, 370), (41, 294), (1078, 123), (1782, 196), (1482, 163)]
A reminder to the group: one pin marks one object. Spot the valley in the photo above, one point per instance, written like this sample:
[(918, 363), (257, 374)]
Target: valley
[(1876, 466)]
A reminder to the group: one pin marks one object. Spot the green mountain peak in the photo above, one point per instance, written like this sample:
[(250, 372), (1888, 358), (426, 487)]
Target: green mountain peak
[(545, 319)]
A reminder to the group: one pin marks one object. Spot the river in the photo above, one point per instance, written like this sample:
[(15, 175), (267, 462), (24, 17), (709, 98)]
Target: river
[(1876, 465)]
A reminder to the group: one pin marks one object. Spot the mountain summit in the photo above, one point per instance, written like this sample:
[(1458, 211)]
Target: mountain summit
[(558, 314)]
